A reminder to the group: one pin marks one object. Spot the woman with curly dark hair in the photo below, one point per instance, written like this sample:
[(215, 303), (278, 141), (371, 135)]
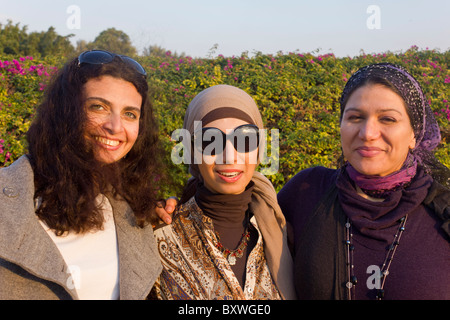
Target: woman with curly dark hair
[(76, 211)]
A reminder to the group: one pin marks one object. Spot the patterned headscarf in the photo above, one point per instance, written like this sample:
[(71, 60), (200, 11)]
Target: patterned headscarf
[(423, 122)]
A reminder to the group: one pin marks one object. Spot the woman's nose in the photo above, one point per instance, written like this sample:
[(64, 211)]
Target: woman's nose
[(113, 124), (230, 155), (369, 130)]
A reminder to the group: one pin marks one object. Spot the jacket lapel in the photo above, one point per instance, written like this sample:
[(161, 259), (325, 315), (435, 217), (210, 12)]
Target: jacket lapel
[(139, 262)]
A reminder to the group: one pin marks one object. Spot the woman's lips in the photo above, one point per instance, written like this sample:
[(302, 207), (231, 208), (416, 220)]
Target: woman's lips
[(229, 175), (110, 144), (368, 152)]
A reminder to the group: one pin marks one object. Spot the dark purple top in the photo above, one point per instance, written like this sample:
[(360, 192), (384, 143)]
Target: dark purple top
[(421, 265)]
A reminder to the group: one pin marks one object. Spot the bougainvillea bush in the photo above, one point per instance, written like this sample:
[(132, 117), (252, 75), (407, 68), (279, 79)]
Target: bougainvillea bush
[(297, 94), (22, 81)]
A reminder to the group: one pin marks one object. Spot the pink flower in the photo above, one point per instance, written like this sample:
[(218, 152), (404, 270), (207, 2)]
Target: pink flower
[(434, 65)]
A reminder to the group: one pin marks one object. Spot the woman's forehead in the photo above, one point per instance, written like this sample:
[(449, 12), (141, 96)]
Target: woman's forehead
[(226, 123)]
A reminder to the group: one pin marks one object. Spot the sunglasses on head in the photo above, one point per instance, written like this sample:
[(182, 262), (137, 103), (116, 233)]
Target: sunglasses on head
[(245, 138), (104, 57)]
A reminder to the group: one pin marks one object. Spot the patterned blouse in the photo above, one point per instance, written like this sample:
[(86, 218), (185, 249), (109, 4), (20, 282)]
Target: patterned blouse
[(193, 268)]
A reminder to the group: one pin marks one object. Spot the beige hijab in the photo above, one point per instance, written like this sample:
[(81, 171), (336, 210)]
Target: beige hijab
[(220, 100)]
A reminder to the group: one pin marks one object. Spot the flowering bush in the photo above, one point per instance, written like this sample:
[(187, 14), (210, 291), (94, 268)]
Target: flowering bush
[(297, 93), (22, 82)]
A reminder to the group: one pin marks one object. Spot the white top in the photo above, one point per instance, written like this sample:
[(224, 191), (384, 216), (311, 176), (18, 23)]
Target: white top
[(92, 258)]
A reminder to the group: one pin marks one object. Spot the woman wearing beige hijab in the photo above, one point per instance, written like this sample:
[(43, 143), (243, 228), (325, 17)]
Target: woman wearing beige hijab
[(228, 237)]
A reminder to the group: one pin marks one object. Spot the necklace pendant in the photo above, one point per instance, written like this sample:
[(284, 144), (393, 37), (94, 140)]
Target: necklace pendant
[(232, 259)]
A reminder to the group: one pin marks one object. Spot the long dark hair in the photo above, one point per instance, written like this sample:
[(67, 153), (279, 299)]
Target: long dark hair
[(67, 176)]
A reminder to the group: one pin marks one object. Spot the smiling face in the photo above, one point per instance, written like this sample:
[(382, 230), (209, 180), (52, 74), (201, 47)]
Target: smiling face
[(376, 132), (228, 172), (113, 108)]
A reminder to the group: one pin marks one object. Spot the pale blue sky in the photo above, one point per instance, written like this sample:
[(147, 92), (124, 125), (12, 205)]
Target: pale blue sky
[(194, 26)]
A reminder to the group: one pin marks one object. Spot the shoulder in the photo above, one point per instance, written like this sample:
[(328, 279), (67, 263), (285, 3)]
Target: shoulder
[(438, 200), (16, 184), (311, 179), (182, 214), (301, 194), (17, 171)]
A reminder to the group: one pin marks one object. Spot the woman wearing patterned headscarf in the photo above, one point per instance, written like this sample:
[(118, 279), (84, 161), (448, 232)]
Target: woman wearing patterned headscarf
[(228, 238), (377, 227)]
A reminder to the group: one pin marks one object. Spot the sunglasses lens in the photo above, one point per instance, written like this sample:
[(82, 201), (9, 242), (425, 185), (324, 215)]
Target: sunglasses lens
[(211, 141), (134, 64), (95, 57), (246, 138), (103, 57)]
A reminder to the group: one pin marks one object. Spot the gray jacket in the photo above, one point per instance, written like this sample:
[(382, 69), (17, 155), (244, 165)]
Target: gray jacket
[(31, 266)]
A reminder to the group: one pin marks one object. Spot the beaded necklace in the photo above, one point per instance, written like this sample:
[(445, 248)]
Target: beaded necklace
[(384, 270), (232, 255)]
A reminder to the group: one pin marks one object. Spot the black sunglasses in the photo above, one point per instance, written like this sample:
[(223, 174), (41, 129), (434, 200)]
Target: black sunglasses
[(245, 138), (104, 57)]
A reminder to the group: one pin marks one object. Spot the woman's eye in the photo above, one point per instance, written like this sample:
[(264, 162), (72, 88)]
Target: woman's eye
[(353, 117), (96, 107), (131, 115), (388, 119)]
